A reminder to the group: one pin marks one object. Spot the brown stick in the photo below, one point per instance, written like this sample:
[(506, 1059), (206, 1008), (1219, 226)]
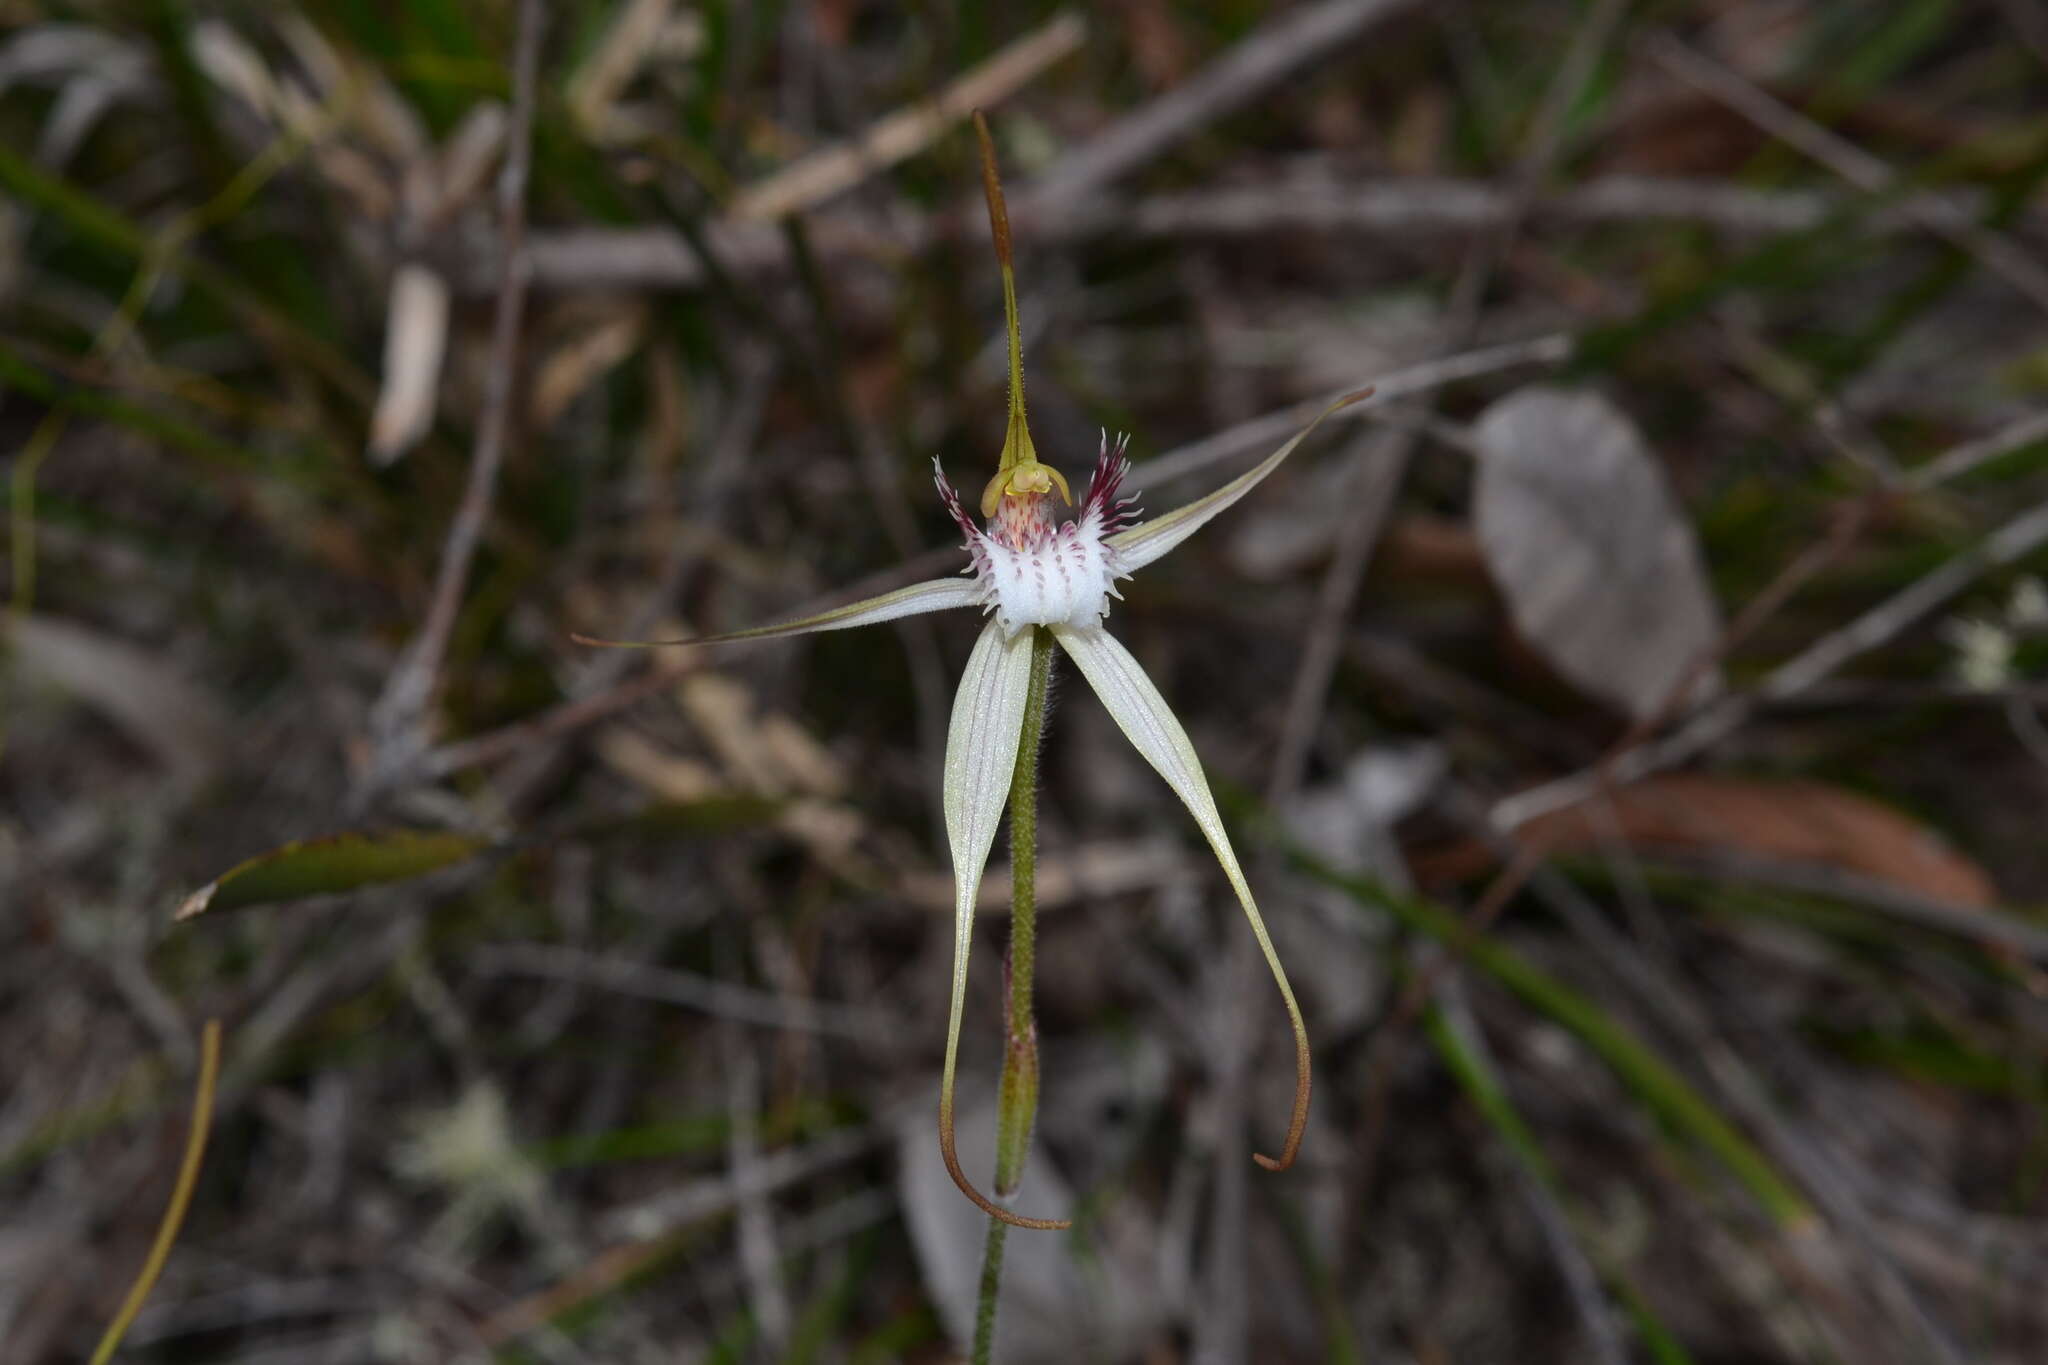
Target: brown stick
[(397, 722)]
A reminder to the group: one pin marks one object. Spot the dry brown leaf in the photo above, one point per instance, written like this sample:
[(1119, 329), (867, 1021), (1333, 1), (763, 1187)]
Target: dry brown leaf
[(581, 361), (1781, 821), (1435, 550), (722, 712), (467, 157), (655, 770), (1590, 550), (633, 39)]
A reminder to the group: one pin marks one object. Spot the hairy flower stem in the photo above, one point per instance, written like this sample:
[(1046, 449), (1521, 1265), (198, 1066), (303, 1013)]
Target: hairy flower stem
[(1017, 1097)]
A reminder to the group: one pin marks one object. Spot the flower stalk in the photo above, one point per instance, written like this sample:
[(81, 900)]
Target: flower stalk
[(1017, 1099), (1018, 471), (1017, 1095)]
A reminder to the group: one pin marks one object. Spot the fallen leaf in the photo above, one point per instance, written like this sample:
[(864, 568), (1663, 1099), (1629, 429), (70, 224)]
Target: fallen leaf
[(341, 862), (1789, 821), (1587, 545)]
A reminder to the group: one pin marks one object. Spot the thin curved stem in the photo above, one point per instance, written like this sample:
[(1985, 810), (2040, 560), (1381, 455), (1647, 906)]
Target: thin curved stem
[(181, 1197), (1017, 1098)]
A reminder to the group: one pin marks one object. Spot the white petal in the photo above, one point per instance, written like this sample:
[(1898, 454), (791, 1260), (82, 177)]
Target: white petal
[(981, 755), (1149, 540), (1150, 724), (936, 595)]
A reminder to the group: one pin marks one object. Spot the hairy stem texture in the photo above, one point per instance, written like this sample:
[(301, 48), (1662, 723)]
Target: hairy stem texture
[(1017, 1098)]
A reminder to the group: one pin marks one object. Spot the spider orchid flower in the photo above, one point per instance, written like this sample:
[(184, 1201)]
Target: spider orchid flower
[(1031, 571)]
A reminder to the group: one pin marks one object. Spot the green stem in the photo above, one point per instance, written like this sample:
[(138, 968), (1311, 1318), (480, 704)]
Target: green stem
[(991, 1282), (1017, 1098)]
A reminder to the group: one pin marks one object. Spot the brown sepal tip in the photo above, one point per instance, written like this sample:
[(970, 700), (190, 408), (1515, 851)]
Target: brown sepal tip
[(992, 186)]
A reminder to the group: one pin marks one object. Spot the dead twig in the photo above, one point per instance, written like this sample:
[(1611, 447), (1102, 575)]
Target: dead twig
[(1817, 1168), (1581, 1282), (1251, 67), (571, 716), (1992, 249), (1308, 200), (1991, 930), (1960, 460), (1380, 467), (1846, 527), (599, 673), (760, 1261), (562, 720), (903, 134), (1415, 996), (1666, 1000), (1268, 430), (398, 721), (2016, 539), (664, 1213), (740, 1004), (1341, 582)]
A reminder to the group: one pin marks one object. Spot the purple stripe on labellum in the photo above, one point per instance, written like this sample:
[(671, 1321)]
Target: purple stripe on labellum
[(1101, 506), (952, 501)]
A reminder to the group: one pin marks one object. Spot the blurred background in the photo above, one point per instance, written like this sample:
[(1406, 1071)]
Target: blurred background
[(1629, 719)]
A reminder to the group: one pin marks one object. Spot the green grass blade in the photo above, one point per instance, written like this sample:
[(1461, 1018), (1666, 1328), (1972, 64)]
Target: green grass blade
[(1483, 1088), (1668, 1094), (97, 223)]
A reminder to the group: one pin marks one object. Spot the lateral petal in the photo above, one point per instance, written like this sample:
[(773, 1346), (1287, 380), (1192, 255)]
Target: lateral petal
[(1149, 540), (981, 756), (936, 595), (1150, 724)]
